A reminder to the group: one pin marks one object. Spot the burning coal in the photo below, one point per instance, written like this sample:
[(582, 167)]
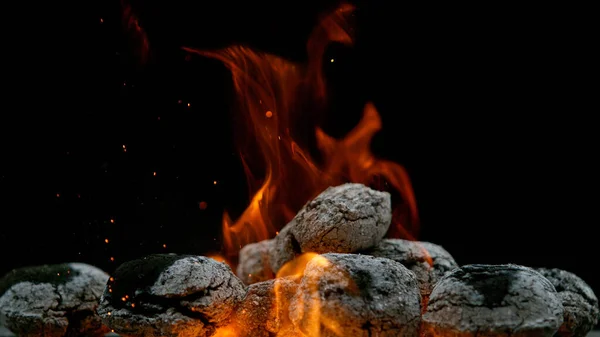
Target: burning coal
[(316, 257)]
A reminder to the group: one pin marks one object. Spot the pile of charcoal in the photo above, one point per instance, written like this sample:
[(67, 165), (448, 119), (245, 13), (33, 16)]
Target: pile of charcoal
[(329, 272)]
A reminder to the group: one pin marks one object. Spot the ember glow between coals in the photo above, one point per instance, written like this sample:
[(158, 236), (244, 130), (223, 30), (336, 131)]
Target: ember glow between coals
[(271, 93)]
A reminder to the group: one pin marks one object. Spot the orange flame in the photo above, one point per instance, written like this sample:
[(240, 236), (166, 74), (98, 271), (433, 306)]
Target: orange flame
[(272, 94)]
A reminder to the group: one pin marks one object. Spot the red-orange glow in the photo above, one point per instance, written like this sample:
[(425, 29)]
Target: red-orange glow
[(227, 331), (220, 258), (138, 34), (295, 268), (203, 205), (282, 174)]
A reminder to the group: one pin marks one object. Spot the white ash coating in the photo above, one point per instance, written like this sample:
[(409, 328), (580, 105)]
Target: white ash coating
[(578, 299), (343, 219), (169, 295), (63, 305), (493, 300), (169, 323), (264, 310), (253, 265), (356, 295), (417, 256)]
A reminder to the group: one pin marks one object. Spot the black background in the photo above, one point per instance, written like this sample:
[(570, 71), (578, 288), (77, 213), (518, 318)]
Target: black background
[(489, 108)]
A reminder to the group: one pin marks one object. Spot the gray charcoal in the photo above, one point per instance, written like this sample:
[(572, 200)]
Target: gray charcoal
[(253, 265), (284, 248), (428, 261), (356, 295), (4, 332), (493, 300), (170, 295), (264, 310), (578, 299), (53, 300), (343, 219)]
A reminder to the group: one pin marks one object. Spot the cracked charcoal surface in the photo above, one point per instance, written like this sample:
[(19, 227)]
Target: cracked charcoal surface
[(253, 265), (417, 256), (53, 300), (284, 248), (264, 310), (170, 295), (493, 300), (578, 299), (343, 219), (357, 295)]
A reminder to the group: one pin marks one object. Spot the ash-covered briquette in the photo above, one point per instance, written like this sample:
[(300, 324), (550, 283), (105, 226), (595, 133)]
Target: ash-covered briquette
[(285, 247), (356, 295), (493, 300), (343, 219), (264, 310), (253, 265), (170, 295), (578, 299), (53, 300), (428, 261)]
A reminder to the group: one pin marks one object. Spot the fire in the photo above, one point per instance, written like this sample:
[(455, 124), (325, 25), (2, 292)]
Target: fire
[(313, 315), (272, 94), (295, 268)]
